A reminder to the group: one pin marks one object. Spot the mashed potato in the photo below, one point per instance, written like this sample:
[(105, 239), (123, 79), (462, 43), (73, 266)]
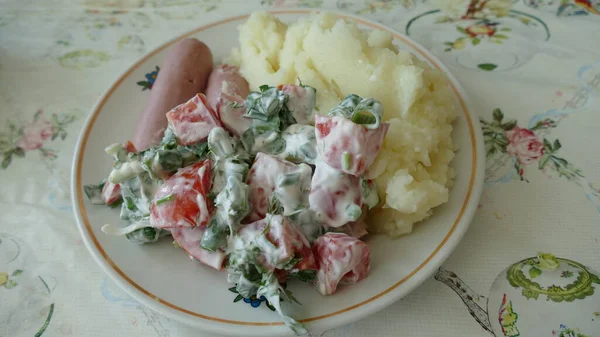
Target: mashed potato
[(412, 170)]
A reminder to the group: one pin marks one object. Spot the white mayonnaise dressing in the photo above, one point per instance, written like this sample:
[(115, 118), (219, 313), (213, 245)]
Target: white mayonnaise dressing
[(253, 235), (222, 147), (119, 231), (265, 174), (231, 111), (221, 144), (127, 171), (203, 215), (300, 144), (333, 194), (260, 141), (292, 189), (301, 102), (348, 256), (232, 202), (191, 132)]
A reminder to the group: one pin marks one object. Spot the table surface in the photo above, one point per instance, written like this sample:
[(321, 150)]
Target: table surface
[(533, 66)]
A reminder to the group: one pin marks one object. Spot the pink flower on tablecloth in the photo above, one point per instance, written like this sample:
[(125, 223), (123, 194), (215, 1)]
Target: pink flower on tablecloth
[(523, 144), (35, 134)]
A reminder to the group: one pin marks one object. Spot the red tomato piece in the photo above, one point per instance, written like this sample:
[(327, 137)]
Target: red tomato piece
[(323, 126), (262, 182), (285, 241), (192, 121), (181, 200), (189, 240), (111, 193), (347, 146), (332, 192), (130, 147), (342, 259)]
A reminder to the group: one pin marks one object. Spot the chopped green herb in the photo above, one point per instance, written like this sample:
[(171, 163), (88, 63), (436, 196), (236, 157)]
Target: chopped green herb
[(146, 235), (266, 229), (366, 112), (346, 160), (353, 211), (292, 262), (288, 179), (116, 204), (362, 117), (215, 236), (305, 275), (165, 199), (130, 204)]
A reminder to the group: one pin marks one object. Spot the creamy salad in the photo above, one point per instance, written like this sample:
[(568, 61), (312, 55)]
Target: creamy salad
[(263, 189)]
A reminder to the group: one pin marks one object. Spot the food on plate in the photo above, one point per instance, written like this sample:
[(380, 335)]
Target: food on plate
[(272, 177), (193, 120), (411, 170), (183, 73), (189, 240), (278, 183), (226, 79), (226, 91), (341, 259), (181, 200)]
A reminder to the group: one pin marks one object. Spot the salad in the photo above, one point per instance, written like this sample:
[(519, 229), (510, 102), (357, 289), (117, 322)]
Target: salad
[(261, 188)]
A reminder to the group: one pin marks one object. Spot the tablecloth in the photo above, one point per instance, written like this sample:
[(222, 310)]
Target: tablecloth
[(532, 68)]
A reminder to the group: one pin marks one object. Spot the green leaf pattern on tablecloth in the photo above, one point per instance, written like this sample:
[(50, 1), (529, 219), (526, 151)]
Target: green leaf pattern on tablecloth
[(506, 138), (582, 287), (85, 58), (16, 139), (481, 30), (292, 3)]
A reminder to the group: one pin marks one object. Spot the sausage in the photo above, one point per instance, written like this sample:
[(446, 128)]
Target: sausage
[(226, 93), (183, 74), (226, 79)]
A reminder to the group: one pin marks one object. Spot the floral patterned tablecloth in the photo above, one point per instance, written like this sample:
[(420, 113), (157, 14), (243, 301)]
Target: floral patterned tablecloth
[(532, 67)]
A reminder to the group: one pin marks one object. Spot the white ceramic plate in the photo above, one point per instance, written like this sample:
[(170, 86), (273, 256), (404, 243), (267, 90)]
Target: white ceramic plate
[(164, 279)]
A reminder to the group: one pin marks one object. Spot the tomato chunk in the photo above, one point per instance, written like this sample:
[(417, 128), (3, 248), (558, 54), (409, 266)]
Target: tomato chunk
[(111, 193), (181, 200), (192, 121), (263, 181), (283, 241), (189, 240), (347, 146), (130, 147), (342, 259), (335, 197)]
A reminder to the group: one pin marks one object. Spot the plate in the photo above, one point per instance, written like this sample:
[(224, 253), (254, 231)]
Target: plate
[(164, 279)]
